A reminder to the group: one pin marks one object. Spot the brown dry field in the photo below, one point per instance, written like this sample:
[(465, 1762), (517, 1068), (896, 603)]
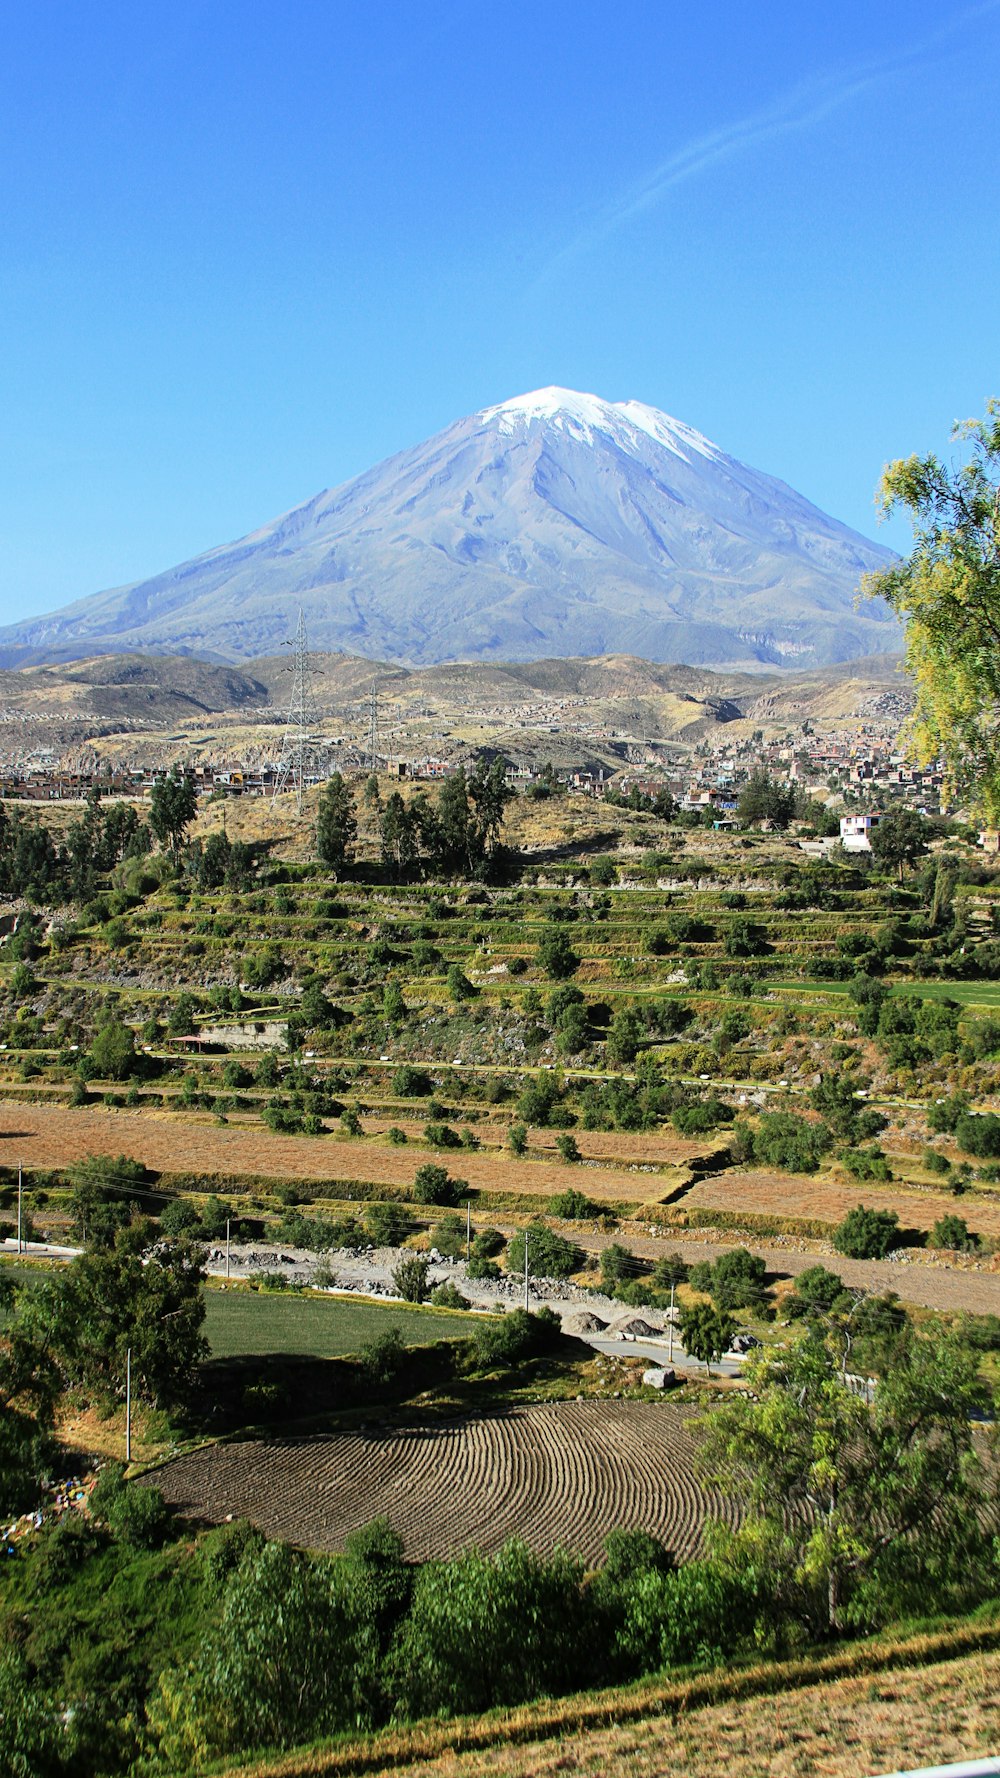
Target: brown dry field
[(178, 1142), (777, 1194), (658, 1149), (554, 1473), (849, 1728)]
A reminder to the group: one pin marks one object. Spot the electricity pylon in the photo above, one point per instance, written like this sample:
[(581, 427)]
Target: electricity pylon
[(295, 741), (373, 729)]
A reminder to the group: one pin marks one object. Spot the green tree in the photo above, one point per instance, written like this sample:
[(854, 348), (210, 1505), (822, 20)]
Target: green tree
[(172, 808), (549, 1255), (764, 799), (625, 1034), (336, 823), (557, 956), (948, 592), (617, 1267), (459, 986), (490, 793), (104, 1190), (276, 1668), (112, 1052), (517, 1138), (433, 1184), (738, 1279), (29, 1386), (486, 1631), (458, 837), (899, 839), (399, 836), (706, 1333), (855, 1511), (142, 1294)]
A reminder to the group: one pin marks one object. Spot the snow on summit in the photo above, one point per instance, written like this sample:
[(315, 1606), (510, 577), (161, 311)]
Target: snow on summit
[(570, 410)]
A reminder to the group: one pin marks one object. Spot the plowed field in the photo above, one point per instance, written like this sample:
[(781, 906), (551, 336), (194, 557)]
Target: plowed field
[(557, 1473)]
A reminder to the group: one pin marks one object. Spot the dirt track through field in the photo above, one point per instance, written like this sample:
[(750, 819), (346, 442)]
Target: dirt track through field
[(556, 1473), (172, 1142)]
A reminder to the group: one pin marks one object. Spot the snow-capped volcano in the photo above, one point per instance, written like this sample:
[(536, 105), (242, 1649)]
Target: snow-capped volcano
[(553, 524)]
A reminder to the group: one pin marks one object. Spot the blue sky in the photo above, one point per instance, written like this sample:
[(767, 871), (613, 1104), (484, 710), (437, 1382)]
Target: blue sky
[(247, 252)]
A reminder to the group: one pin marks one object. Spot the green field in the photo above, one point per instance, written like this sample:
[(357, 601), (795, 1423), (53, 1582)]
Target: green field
[(239, 1322)]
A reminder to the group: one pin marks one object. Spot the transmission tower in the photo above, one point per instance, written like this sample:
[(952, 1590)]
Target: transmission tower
[(295, 741), (373, 728)]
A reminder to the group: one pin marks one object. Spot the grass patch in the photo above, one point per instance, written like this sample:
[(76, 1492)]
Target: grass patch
[(248, 1322)]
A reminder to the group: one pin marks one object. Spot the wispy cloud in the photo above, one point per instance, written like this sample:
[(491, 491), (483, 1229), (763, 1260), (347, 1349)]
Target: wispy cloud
[(807, 103)]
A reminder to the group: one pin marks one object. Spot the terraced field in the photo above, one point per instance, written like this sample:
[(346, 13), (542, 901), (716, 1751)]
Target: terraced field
[(783, 1194), (175, 1142), (556, 1473)]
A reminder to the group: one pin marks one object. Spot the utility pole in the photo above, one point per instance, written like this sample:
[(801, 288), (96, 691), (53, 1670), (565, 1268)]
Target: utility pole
[(670, 1349), (294, 746), (468, 1231), (526, 1234), (227, 1247), (19, 1206), (128, 1405)]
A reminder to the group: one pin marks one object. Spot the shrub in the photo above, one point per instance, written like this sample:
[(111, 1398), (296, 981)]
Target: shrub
[(866, 1163), (383, 1358), (866, 1234), (412, 1083), (617, 1265), (448, 1296), (783, 1140), (953, 1232), (701, 1118), (671, 1270), (135, 1514), (549, 1254), (442, 1136), (512, 1337), (387, 1224), (449, 1236), (699, 1612), (568, 1148), (485, 1631), (517, 1138), (410, 1278), (433, 1184), (572, 1206), (978, 1133)]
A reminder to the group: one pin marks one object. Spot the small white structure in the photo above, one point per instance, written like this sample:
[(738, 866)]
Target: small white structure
[(856, 830)]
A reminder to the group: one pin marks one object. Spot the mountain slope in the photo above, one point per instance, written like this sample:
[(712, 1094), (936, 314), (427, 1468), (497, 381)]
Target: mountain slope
[(554, 524)]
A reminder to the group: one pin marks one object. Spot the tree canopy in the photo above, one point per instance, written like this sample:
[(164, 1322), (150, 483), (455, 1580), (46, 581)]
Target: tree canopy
[(948, 591)]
